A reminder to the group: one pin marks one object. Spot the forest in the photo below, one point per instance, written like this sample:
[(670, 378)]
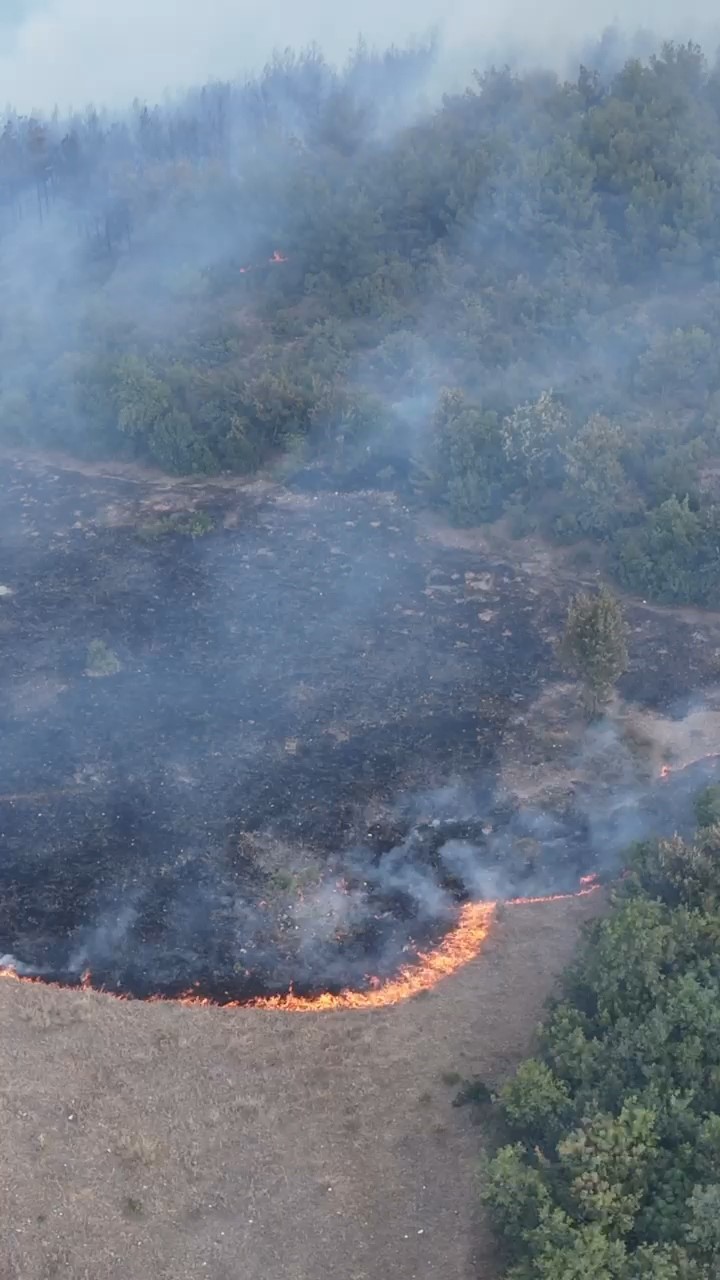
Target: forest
[(611, 1168), (507, 302)]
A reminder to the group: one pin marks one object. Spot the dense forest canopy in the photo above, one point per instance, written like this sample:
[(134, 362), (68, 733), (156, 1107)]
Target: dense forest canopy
[(612, 1167), (515, 292)]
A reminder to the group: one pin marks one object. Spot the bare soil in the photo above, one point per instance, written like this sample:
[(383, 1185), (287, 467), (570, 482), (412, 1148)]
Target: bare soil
[(152, 1142)]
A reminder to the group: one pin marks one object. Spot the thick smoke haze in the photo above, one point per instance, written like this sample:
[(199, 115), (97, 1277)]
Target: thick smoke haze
[(70, 52), (240, 748)]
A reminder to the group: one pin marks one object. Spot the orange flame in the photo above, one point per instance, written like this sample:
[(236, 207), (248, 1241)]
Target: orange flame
[(667, 769), (461, 944), (589, 885), (276, 256)]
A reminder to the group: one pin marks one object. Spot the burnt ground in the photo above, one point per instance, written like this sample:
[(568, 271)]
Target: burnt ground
[(241, 798), (296, 692), (153, 1142), (281, 681)]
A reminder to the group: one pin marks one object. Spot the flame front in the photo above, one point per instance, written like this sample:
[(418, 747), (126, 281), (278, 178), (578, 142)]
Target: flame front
[(460, 945), (667, 769), (588, 884)]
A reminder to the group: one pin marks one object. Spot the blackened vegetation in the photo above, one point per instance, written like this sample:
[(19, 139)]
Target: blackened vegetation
[(255, 793), (277, 684)]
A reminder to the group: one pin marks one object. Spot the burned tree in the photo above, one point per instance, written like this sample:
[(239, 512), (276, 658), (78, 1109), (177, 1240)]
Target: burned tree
[(594, 645)]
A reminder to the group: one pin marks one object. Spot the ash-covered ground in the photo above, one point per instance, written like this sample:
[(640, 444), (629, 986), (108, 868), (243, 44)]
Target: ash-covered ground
[(267, 755)]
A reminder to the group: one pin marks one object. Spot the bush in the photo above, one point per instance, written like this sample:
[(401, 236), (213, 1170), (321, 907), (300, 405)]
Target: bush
[(707, 806), (673, 555), (101, 660)]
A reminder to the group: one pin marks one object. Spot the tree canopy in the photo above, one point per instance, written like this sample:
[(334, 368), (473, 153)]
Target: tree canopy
[(611, 1170), (594, 644), (516, 290)]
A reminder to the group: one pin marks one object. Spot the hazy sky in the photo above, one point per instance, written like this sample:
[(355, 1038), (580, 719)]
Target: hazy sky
[(109, 51)]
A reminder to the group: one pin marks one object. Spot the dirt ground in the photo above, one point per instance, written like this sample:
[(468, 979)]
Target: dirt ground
[(153, 1142)]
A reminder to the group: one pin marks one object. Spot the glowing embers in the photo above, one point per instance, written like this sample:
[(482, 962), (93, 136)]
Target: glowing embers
[(463, 943)]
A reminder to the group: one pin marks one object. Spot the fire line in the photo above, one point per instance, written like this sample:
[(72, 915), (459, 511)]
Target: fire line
[(667, 769), (463, 943)]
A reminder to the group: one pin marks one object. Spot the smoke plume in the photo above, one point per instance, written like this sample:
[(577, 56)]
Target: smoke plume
[(73, 52), (254, 738)]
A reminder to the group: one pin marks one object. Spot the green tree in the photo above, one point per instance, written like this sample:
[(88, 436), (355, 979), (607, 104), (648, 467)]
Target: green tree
[(681, 361), (535, 1101), (707, 806), (673, 555), (599, 495), (608, 1165), (594, 645), (704, 1226), (467, 467), (517, 1193), (534, 436)]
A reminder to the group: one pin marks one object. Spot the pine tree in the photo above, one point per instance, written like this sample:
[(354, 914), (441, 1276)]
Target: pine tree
[(594, 645)]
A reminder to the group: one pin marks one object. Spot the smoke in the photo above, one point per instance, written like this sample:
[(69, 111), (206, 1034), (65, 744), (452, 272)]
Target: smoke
[(108, 936), (267, 679), (72, 52), (16, 966)]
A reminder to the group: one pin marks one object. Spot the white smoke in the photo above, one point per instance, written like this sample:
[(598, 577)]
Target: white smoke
[(22, 970), (71, 52), (106, 938)]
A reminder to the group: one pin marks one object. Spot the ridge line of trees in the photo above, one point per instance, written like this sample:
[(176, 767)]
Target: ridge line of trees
[(518, 291)]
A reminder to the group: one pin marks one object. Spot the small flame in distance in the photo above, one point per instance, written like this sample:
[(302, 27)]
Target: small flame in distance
[(667, 769), (275, 257), (460, 945)]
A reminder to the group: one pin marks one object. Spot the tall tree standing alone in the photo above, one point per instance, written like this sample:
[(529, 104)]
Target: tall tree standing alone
[(594, 645)]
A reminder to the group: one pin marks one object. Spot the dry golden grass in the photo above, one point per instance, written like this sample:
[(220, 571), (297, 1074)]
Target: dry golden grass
[(153, 1142)]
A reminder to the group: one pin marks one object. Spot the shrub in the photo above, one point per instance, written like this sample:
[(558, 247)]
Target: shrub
[(193, 524), (707, 806), (101, 661)]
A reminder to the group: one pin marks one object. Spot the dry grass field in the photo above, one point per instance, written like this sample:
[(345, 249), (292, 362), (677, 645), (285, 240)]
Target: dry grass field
[(155, 1142)]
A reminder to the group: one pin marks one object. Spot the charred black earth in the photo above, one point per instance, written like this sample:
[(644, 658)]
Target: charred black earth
[(258, 756)]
